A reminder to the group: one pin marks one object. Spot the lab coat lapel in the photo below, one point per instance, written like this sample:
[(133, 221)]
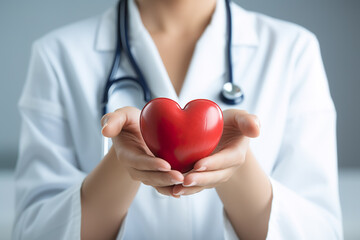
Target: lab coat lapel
[(244, 28), (142, 48), (208, 62), (147, 56), (105, 40)]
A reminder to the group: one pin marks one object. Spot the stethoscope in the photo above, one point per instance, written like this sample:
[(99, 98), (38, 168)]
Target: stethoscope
[(230, 94)]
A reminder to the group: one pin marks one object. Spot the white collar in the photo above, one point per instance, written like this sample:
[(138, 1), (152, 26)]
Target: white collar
[(244, 33), (201, 73)]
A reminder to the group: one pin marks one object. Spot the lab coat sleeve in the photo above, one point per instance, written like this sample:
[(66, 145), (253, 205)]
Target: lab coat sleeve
[(48, 178), (47, 181), (304, 179)]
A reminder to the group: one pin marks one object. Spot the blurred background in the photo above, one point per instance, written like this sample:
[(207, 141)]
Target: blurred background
[(335, 23)]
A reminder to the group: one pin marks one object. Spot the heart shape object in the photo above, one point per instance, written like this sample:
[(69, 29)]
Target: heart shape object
[(181, 136)]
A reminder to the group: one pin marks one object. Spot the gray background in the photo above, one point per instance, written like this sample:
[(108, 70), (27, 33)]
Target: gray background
[(336, 23)]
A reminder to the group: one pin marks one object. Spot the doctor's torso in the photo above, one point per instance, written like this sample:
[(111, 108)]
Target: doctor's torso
[(263, 62)]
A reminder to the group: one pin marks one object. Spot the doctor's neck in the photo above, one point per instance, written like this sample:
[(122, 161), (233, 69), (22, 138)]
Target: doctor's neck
[(176, 16)]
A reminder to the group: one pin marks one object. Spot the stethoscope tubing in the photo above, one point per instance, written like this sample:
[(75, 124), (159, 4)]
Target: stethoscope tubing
[(229, 40), (125, 39), (123, 44), (231, 94), (231, 97)]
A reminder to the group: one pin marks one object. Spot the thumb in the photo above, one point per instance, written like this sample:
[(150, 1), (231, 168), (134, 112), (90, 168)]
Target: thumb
[(113, 123), (248, 124)]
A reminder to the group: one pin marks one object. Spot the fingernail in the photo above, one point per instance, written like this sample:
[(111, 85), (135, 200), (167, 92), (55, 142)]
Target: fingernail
[(104, 121), (175, 181), (161, 169), (258, 123), (203, 168), (105, 125), (179, 193), (193, 183)]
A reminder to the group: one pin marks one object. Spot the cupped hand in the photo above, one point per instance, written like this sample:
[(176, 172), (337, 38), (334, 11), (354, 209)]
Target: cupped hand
[(123, 127), (228, 156)]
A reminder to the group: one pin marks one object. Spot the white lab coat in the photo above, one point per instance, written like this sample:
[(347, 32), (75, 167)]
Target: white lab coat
[(277, 64)]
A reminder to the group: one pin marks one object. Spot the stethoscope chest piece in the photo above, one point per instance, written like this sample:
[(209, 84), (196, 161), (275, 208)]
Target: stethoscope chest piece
[(232, 94)]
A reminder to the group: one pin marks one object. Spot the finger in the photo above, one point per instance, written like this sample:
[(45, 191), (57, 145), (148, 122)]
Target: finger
[(114, 122), (226, 158), (138, 158), (208, 179), (167, 191), (145, 162), (157, 179), (248, 124), (180, 190)]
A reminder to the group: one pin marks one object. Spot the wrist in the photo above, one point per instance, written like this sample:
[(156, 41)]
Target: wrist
[(238, 174), (246, 176), (110, 177), (247, 198)]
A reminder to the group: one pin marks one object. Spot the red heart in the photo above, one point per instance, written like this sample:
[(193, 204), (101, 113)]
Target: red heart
[(181, 136)]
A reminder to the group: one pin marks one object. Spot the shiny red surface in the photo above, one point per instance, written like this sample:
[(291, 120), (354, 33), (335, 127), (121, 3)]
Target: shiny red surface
[(181, 136)]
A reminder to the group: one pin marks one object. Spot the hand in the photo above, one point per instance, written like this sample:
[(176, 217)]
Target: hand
[(229, 155), (123, 127)]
